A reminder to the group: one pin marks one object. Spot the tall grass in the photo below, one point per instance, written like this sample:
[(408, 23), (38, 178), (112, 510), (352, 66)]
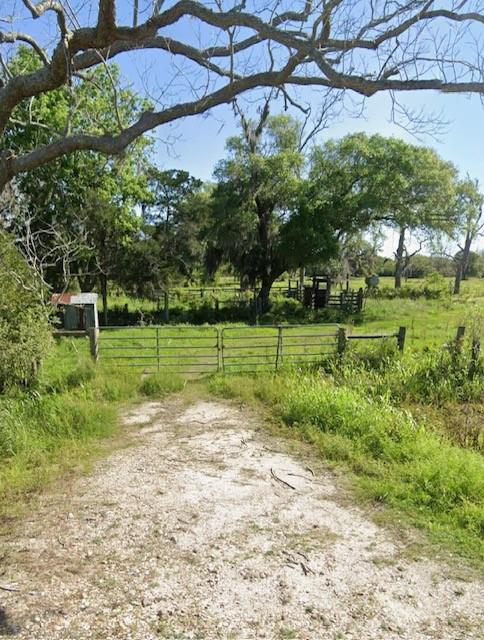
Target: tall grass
[(393, 458), (60, 424)]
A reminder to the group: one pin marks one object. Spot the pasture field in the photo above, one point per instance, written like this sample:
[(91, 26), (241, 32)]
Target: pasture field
[(429, 322)]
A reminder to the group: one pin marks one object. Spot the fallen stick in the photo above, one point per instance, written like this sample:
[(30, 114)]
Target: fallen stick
[(15, 590), (281, 480), (299, 475)]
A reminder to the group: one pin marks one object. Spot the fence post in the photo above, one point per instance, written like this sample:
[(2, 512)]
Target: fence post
[(279, 346), (459, 338), (94, 343), (166, 310), (222, 346), (342, 340), (157, 348), (402, 332), (359, 299)]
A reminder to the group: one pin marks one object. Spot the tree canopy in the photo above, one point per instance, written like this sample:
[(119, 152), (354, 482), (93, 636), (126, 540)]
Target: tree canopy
[(74, 215), (365, 179)]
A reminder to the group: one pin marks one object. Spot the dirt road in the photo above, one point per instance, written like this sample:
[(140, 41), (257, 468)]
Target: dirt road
[(206, 527)]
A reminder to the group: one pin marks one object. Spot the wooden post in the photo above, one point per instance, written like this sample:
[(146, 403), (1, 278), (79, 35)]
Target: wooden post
[(94, 343), (157, 348), (459, 338), (222, 349), (342, 340), (166, 310), (359, 299), (402, 332), (279, 346)]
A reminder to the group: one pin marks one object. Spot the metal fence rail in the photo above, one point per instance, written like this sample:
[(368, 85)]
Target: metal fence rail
[(268, 347), (199, 350)]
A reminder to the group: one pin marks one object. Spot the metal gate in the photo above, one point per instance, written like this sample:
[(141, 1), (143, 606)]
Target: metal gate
[(165, 348), (198, 350), (269, 347)]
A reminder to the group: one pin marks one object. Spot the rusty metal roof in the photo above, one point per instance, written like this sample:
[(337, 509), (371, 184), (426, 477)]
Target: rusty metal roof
[(74, 298)]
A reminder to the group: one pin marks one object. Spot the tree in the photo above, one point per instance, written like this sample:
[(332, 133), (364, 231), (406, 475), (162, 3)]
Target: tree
[(258, 186), (470, 226), (373, 178), (170, 243), (358, 257), (78, 209), (24, 320), (406, 46), (266, 218), (167, 190)]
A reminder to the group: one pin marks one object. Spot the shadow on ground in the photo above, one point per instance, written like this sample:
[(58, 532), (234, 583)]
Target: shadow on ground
[(7, 628)]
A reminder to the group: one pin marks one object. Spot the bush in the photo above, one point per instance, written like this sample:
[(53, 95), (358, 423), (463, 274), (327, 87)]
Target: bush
[(434, 287), (24, 323)]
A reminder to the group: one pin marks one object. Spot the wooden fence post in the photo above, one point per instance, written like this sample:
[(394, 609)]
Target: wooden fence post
[(402, 332), (218, 349), (359, 299), (459, 338), (94, 343), (342, 340), (475, 351)]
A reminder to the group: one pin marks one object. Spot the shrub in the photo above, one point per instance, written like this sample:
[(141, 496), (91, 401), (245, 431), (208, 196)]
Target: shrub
[(24, 323), (434, 287)]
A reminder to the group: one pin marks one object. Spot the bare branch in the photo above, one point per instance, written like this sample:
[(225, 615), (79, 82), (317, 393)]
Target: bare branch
[(378, 46)]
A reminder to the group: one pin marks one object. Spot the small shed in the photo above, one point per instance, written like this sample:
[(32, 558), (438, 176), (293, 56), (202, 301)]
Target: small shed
[(77, 311)]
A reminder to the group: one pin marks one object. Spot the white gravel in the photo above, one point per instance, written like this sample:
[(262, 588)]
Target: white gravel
[(206, 527)]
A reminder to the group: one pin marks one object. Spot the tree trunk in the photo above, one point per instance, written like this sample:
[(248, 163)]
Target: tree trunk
[(266, 271), (267, 281), (463, 263), (104, 293), (399, 259)]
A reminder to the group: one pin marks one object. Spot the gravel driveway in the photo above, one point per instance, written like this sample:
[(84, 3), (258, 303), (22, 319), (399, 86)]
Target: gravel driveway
[(205, 526)]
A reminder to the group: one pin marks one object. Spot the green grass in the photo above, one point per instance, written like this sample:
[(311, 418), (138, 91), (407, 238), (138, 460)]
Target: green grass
[(428, 322), (393, 459), (60, 424)]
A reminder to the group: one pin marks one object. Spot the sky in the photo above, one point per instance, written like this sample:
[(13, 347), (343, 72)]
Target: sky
[(197, 143)]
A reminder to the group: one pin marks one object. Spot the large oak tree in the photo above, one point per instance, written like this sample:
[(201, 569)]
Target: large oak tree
[(366, 179)]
